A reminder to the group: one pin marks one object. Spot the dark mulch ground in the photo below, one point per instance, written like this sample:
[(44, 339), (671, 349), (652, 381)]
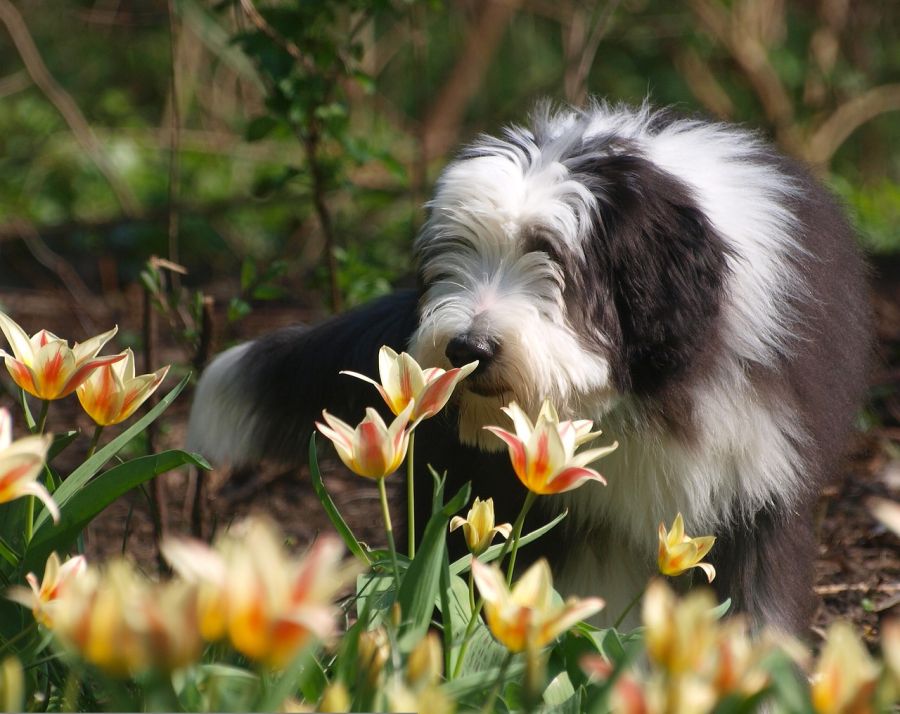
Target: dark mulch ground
[(858, 569)]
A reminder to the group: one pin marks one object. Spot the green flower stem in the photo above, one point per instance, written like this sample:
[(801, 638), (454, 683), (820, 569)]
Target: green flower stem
[(628, 608), (476, 611), (29, 519), (29, 506), (94, 441), (388, 528), (410, 497), (517, 534), (498, 685), (472, 593), (42, 419)]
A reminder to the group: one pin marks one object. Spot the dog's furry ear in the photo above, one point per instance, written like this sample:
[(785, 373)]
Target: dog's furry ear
[(664, 263)]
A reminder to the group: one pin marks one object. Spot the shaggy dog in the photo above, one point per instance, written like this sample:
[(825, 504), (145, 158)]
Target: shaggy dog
[(680, 282)]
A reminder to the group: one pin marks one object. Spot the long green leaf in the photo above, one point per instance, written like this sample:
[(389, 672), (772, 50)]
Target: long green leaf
[(82, 507), (419, 590), (463, 564), (482, 681), (80, 476), (334, 515)]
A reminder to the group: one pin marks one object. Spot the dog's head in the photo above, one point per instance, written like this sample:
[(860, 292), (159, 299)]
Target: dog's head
[(570, 266)]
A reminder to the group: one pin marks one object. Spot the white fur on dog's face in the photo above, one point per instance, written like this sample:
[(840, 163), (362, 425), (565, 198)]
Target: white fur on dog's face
[(483, 277)]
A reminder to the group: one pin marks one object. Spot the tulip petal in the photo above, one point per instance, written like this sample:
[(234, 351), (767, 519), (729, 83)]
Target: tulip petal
[(33, 488), (516, 451), (5, 428), (570, 479), (17, 338), (573, 612), (90, 348), (21, 373)]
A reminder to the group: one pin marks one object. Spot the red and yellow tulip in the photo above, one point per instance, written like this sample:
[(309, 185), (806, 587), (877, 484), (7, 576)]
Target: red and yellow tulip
[(45, 366), (248, 589), (544, 454), (42, 596), (403, 381), (372, 449), (679, 552), (526, 616), (21, 462), (112, 392)]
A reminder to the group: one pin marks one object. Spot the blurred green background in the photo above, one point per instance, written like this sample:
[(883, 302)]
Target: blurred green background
[(279, 148)]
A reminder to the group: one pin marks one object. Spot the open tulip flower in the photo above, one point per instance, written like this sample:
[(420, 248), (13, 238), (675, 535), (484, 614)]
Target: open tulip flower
[(45, 366), (275, 605), (21, 462), (478, 526), (544, 454), (372, 449), (112, 392), (678, 552), (41, 596), (527, 616), (404, 381)]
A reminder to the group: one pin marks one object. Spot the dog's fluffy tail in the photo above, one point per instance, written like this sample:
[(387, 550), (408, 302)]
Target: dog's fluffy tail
[(259, 400)]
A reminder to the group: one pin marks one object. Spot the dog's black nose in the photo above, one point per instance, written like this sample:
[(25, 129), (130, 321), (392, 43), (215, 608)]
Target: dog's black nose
[(463, 349)]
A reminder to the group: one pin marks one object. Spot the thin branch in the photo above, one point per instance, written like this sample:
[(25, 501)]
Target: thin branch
[(67, 275), (174, 143), (847, 118), (589, 51), (753, 60), (13, 83), (703, 83), (64, 104), (442, 121)]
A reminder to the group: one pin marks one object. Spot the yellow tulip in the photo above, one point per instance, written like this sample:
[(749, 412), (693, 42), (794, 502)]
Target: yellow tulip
[(206, 568), (112, 392), (403, 381), (544, 454), (846, 674), (21, 462), (426, 662), (527, 617), (478, 526), (45, 366), (678, 552), (680, 635), (41, 597), (372, 449)]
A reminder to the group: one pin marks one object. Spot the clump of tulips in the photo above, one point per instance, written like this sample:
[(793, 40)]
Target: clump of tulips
[(245, 623)]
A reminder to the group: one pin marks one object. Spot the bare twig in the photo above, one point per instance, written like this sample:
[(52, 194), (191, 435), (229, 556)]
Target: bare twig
[(67, 275), (64, 104), (703, 84), (442, 121), (847, 118), (576, 85), (257, 19), (174, 172), (752, 58), (13, 83)]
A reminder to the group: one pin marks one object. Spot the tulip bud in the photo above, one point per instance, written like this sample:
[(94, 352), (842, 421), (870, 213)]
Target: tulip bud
[(426, 662)]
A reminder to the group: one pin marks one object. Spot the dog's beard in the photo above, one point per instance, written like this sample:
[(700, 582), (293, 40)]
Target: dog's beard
[(477, 411)]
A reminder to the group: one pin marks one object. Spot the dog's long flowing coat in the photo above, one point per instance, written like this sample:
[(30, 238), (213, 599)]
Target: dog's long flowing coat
[(679, 281)]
